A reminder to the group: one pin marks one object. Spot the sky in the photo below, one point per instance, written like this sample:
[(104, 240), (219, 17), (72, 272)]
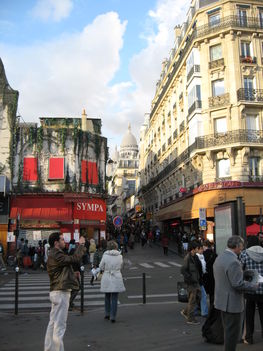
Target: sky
[(102, 55)]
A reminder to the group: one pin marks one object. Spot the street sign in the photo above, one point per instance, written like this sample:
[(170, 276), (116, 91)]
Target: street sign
[(117, 221), (202, 217), (202, 222)]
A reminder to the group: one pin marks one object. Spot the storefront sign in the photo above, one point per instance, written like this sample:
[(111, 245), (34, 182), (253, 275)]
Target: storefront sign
[(37, 235), (218, 185), (90, 209)]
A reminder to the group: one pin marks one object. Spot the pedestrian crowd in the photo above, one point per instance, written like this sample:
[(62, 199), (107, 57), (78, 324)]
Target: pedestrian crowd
[(231, 282)]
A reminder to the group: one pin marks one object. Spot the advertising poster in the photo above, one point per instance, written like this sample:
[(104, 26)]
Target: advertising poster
[(10, 237), (67, 237)]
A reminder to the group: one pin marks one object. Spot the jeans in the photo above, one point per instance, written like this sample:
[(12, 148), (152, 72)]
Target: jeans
[(58, 320), (203, 302), (111, 303)]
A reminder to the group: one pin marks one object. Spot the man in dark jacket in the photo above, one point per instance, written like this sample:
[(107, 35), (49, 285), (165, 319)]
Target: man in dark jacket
[(191, 275), (62, 281)]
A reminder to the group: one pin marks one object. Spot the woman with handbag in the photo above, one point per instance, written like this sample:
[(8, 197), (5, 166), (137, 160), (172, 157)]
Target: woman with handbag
[(111, 281)]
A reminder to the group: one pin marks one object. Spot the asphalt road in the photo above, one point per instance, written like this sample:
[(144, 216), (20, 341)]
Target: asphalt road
[(155, 326)]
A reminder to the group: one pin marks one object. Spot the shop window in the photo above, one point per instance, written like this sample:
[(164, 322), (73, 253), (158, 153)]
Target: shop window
[(89, 172), (30, 169), (56, 168)]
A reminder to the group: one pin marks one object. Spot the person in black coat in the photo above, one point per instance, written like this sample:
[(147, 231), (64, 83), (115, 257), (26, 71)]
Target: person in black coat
[(208, 278)]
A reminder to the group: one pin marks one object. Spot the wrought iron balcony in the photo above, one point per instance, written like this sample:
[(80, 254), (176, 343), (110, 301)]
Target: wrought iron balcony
[(229, 21), (240, 136), (254, 95), (216, 63), (219, 100), (194, 106), (181, 127), (248, 59), (194, 69)]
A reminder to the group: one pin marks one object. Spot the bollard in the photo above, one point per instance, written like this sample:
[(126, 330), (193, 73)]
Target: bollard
[(143, 288), (16, 291), (82, 289)]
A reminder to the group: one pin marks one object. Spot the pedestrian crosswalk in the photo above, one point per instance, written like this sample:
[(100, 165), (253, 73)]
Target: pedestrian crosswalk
[(34, 293), (152, 265)]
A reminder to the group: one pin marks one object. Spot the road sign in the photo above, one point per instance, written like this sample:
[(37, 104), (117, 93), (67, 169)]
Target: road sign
[(202, 222), (117, 221)]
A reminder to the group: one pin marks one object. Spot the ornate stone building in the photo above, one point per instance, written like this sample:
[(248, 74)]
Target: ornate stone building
[(123, 173), (58, 178), (202, 143)]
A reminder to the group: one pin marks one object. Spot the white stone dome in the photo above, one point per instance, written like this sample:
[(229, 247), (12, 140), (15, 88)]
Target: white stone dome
[(129, 140)]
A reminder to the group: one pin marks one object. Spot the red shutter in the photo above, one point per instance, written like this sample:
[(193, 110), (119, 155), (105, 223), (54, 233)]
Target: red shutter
[(89, 168), (84, 167), (93, 173), (56, 168), (30, 169)]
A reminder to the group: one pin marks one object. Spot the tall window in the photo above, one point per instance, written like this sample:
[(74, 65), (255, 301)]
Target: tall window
[(214, 19), (249, 88), (261, 18), (245, 49), (252, 123), (223, 168), (242, 13), (218, 87), (254, 166), (220, 125), (215, 52), (194, 95)]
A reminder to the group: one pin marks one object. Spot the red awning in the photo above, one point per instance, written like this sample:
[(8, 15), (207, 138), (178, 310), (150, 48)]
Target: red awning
[(253, 229), (39, 208)]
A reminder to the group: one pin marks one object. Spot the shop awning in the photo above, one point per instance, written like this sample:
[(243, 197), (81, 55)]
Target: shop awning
[(54, 209)]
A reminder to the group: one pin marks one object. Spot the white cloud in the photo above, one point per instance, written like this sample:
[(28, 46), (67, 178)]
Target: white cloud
[(74, 71), (61, 77), (54, 10)]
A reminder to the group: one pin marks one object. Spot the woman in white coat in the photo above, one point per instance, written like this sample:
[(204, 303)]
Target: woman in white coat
[(111, 282)]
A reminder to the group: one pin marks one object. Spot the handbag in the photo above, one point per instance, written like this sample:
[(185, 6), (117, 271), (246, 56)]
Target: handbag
[(182, 292), (99, 276)]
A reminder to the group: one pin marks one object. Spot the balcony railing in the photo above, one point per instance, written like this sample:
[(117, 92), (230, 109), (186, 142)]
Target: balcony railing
[(181, 127), (229, 21), (254, 95), (248, 59), (194, 106), (216, 63), (219, 100), (240, 136), (194, 69)]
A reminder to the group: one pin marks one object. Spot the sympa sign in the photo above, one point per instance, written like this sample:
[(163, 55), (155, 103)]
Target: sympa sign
[(93, 209)]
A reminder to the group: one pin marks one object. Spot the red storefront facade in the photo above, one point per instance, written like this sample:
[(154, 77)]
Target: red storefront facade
[(68, 213)]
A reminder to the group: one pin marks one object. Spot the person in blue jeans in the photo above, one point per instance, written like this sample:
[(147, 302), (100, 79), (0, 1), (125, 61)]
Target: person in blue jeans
[(111, 281), (202, 271)]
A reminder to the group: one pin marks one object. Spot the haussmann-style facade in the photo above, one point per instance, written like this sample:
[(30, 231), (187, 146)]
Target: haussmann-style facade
[(202, 143)]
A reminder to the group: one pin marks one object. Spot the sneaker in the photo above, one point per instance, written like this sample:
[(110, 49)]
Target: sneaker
[(193, 321), (184, 314)]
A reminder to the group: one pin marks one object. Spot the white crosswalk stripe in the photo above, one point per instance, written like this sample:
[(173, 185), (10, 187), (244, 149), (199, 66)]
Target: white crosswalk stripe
[(34, 293), (156, 264)]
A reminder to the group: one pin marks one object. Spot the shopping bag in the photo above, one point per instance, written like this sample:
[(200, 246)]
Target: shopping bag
[(182, 292)]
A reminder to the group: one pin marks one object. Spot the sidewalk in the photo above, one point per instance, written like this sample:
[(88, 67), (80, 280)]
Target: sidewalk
[(151, 327)]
